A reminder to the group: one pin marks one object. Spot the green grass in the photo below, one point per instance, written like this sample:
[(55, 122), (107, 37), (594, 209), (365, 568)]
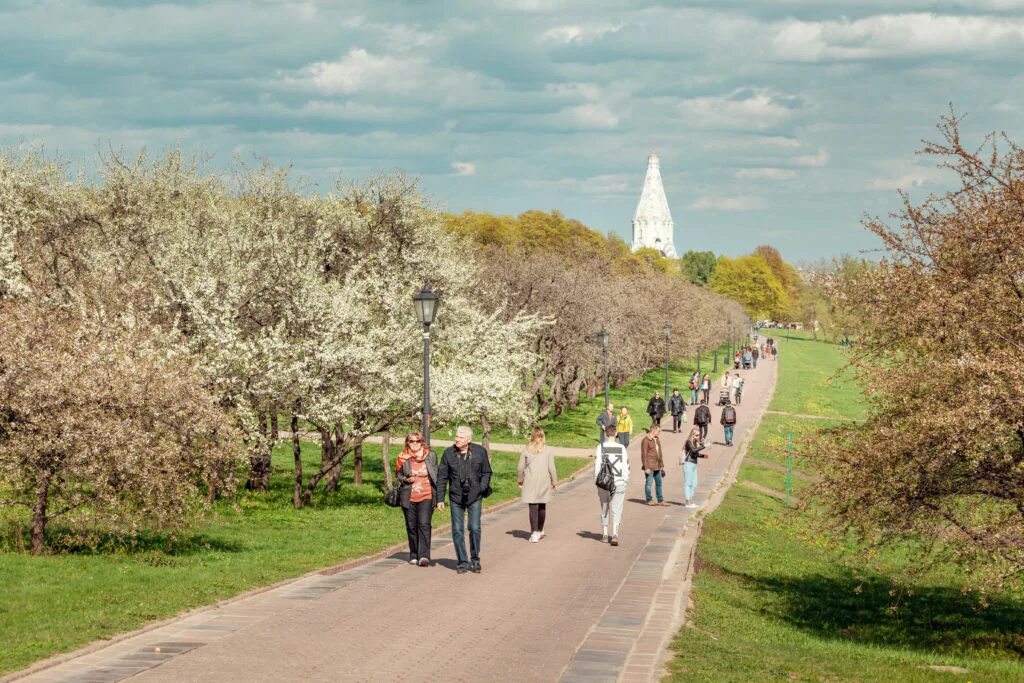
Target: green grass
[(57, 603), (773, 602)]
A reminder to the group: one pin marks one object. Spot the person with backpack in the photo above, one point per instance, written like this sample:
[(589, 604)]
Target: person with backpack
[(691, 452), (677, 407), (728, 420), (656, 408), (416, 474), (653, 464), (611, 474), (705, 387), (468, 468), (624, 426), (702, 418), (537, 479), (694, 388)]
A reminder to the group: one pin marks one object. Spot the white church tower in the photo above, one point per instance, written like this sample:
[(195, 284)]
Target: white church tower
[(652, 222)]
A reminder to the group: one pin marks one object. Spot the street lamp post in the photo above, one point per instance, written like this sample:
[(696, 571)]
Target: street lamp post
[(426, 302), (602, 337), (668, 343), (698, 361)]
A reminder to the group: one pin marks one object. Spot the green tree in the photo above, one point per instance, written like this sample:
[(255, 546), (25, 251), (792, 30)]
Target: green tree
[(698, 266), (751, 281)]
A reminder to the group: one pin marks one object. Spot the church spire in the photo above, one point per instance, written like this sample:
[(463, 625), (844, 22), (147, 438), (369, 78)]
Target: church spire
[(652, 220)]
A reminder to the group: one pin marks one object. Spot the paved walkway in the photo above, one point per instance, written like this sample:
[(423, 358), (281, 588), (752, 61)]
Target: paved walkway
[(568, 608)]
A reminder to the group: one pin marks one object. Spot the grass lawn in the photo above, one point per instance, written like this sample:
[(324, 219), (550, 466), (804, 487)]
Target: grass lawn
[(772, 603), (57, 603)]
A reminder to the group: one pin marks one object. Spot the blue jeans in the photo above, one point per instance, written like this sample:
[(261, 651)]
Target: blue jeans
[(755, 361), (690, 474), (728, 433), (624, 439), (693, 397), (459, 531), (656, 476)]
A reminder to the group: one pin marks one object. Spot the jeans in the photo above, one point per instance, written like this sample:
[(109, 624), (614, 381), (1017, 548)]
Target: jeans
[(693, 397), (656, 476), (728, 433), (459, 531), (624, 438), (417, 528), (690, 475), (755, 362), (612, 502)]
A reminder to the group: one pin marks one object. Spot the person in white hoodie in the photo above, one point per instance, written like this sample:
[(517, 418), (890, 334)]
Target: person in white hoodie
[(614, 453)]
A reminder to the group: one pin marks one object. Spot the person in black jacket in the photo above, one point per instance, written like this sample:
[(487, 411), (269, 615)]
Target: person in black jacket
[(656, 408), (691, 452), (702, 418), (467, 468), (677, 408)]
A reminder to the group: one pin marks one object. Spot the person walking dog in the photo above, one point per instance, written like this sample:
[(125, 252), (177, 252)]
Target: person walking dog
[(467, 468), (614, 454), (653, 463), (416, 472), (537, 479)]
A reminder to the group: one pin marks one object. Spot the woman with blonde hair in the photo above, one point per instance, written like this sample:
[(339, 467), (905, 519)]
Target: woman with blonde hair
[(416, 471), (537, 478)]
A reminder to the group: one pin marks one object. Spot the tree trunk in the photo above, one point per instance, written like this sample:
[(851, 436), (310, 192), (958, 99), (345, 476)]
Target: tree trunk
[(39, 509), (485, 440), (297, 454), (259, 460), (385, 458), (357, 464), (275, 434), (327, 451)]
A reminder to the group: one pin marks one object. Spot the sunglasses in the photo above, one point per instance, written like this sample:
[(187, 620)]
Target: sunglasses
[(415, 441)]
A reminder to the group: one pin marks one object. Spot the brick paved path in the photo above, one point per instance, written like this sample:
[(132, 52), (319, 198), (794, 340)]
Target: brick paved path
[(568, 608)]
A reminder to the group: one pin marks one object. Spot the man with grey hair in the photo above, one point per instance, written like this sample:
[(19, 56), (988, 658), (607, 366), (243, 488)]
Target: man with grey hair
[(467, 468)]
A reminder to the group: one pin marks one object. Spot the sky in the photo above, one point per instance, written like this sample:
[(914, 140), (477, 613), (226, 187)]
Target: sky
[(781, 122)]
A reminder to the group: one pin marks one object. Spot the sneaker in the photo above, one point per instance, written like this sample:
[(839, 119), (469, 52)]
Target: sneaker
[(424, 562), (413, 560), (534, 537), (540, 535), (475, 567), (604, 538), (614, 541), (462, 569), (691, 505), (651, 502), (663, 503)]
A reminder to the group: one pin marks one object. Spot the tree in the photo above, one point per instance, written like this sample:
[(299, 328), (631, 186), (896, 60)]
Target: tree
[(940, 458), (698, 266), (750, 281), (787, 275)]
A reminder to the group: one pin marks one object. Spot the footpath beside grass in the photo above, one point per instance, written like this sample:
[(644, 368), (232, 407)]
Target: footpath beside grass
[(60, 602), (770, 603)]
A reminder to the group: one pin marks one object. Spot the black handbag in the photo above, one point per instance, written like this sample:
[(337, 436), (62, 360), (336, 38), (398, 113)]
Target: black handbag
[(606, 475), (393, 497)]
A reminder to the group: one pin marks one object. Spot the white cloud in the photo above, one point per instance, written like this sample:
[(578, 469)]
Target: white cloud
[(720, 203), (743, 109), (356, 69), (818, 159), (591, 115), (576, 33), (901, 175), (765, 174), (895, 35), (464, 168)]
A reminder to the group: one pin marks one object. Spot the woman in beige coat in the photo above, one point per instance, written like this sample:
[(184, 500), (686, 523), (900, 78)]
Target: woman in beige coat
[(537, 479)]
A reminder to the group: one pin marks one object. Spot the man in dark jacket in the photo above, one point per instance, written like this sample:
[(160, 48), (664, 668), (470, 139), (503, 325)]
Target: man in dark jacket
[(656, 408), (702, 418), (755, 354), (677, 408), (466, 466), (606, 418), (728, 423)]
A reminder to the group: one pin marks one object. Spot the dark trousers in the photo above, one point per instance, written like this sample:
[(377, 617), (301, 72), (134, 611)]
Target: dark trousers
[(624, 438), (459, 531), (655, 418), (676, 422), (417, 528), (707, 395), (703, 432), (538, 513)]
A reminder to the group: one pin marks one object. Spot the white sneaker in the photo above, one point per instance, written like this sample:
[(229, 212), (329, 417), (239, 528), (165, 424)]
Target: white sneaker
[(534, 537), (540, 535), (691, 505)]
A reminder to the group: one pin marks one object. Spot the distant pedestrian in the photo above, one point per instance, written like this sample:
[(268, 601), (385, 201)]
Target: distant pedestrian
[(748, 358), (607, 417), (737, 388), (653, 463), (624, 425), (416, 473), (736, 360), (726, 380), (537, 479), (702, 418), (677, 407), (614, 454), (705, 387), (691, 452), (775, 352), (468, 468), (755, 354), (694, 388), (728, 420), (656, 408)]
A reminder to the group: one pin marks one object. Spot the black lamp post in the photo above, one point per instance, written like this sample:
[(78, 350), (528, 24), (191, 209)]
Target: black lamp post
[(426, 303), (602, 337), (668, 343)]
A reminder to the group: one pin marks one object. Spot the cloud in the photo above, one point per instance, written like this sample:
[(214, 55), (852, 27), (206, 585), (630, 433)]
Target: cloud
[(765, 174), (896, 35), (464, 168), (744, 108), (578, 33), (721, 203), (591, 115), (900, 175), (815, 160), (357, 70)]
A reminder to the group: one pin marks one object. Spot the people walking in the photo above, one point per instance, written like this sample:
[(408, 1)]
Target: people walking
[(737, 388), (614, 454), (705, 387), (728, 420), (467, 468), (624, 425), (416, 473), (775, 352), (694, 388), (691, 452), (677, 407), (653, 464), (755, 354), (607, 417), (727, 381), (656, 408), (537, 479), (702, 418)]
